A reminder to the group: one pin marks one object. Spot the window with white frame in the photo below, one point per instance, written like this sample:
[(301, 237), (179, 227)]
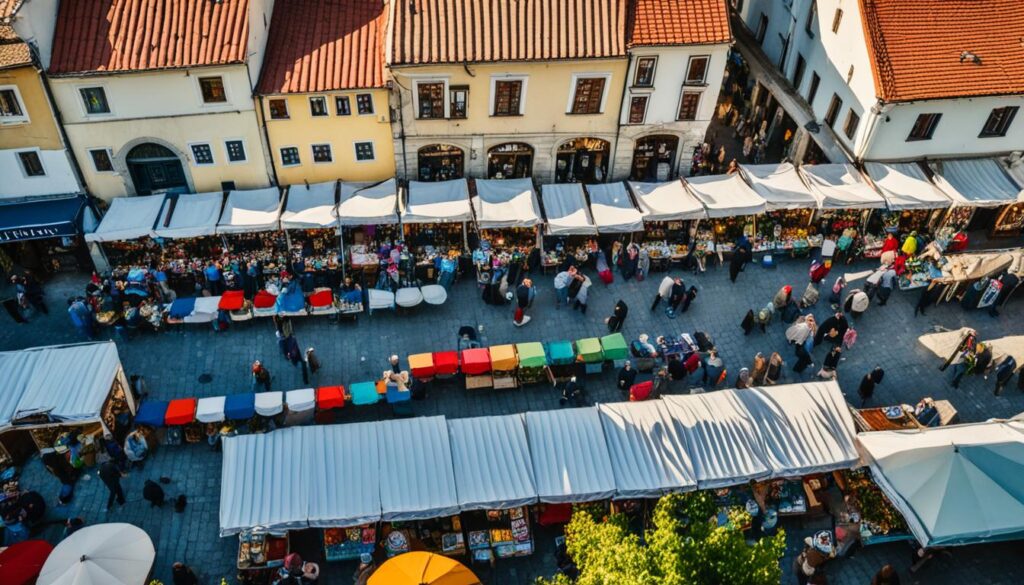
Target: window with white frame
[(322, 153), (212, 90), (202, 153), (235, 150), (364, 151), (689, 104), (290, 156), (588, 94), (364, 104), (94, 100), (430, 97), (644, 76), (31, 163), (101, 160), (12, 109), (458, 101), (507, 96), (697, 70), (342, 106), (278, 109), (637, 109), (318, 106)]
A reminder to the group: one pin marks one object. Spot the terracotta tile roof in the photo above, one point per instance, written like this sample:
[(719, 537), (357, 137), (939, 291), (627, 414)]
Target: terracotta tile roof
[(679, 22), (456, 31), (138, 35), (321, 45), (13, 52), (916, 46)]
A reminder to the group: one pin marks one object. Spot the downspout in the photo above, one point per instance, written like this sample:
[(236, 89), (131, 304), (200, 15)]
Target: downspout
[(266, 141), (618, 121), (58, 118), (401, 130)]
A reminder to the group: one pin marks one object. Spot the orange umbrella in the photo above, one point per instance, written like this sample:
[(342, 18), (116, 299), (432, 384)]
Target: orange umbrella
[(423, 568)]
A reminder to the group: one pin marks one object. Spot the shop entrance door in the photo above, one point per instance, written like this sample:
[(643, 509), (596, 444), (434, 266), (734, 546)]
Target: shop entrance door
[(155, 169), (654, 158), (583, 160)]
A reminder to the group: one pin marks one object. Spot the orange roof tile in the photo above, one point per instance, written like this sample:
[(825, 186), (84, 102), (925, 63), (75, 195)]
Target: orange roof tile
[(679, 22), (321, 45), (916, 47), (139, 35), (457, 31), (13, 52)]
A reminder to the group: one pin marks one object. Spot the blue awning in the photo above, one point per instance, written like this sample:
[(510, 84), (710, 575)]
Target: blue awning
[(44, 218)]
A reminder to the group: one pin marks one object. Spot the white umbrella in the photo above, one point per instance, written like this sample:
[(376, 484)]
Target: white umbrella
[(104, 554)]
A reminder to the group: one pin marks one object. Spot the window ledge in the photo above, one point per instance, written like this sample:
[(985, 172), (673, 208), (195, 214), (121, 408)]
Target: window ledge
[(506, 115), (642, 88), (584, 113)]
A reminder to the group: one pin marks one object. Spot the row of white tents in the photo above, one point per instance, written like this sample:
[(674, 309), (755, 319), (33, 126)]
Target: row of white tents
[(421, 468), (568, 209)]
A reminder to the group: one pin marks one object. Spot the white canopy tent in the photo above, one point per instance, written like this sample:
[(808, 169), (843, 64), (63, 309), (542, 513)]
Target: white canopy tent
[(508, 203), (101, 554), (666, 201), (804, 428), (310, 206), (128, 218), (258, 210), (439, 202), (258, 485), (725, 195), (368, 203), (343, 474), (493, 467), (190, 216), (780, 185), (976, 182), (906, 186), (417, 481), (68, 383), (724, 444), (954, 485), (840, 186), (612, 209), (648, 449), (566, 211), (570, 457)]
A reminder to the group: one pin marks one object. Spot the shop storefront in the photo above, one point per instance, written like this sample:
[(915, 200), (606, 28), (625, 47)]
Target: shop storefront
[(654, 158), (507, 220), (44, 235), (440, 162), (846, 201), (512, 160), (582, 160), (914, 203), (982, 191), (668, 211), (311, 230), (786, 226), (187, 230), (731, 206), (434, 221), (126, 231)]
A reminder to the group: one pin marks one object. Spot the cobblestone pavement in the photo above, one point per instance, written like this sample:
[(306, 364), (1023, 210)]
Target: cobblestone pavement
[(173, 362)]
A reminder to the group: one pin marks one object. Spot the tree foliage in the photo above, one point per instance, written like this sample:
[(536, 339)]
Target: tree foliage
[(685, 546)]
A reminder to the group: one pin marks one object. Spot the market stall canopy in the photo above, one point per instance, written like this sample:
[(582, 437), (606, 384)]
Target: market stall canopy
[(648, 449), (65, 382), (954, 485), (128, 218), (102, 554), (666, 201), (310, 207), (40, 218), (725, 195), (944, 343), (439, 202), (566, 211), (253, 211), (258, 485), (368, 203), (1012, 346), (780, 185), (976, 182), (571, 462), (21, 562), (840, 186), (190, 216), (493, 467), (507, 203), (613, 210), (976, 265), (805, 428), (724, 444), (906, 186), (1015, 168), (343, 474), (417, 481)]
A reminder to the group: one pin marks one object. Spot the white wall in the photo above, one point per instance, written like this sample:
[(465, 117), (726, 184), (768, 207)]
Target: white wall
[(955, 135), (260, 12), (59, 178), (779, 21), (153, 94), (35, 24)]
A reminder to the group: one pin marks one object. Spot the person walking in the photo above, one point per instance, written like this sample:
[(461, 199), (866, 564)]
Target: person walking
[(736, 263), (310, 365), (677, 297), (886, 576), (1004, 373), (81, 317), (34, 292), (214, 278), (714, 367), (618, 317), (524, 295), (260, 376), (857, 301), (182, 574), (664, 291), (831, 363), (782, 298), (111, 477), (833, 329), (626, 377), (887, 283), (868, 383), (837, 292), (773, 373), (660, 383), (579, 292), (562, 281)]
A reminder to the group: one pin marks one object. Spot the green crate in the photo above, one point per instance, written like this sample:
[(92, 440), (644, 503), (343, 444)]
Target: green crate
[(614, 347), (590, 350), (531, 355)]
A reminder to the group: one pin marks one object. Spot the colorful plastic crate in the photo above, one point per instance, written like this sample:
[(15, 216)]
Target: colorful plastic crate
[(531, 355), (475, 361), (590, 350), (614, 347), (560, 353)]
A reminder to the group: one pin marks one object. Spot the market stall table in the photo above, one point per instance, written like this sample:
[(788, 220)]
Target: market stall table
[(561, 358), (504, 364), (790, 208), (446, 363), (475, 365), (434, 294), (264, 304), (421, 366), (589, 350), (615, 349), (301, 404)]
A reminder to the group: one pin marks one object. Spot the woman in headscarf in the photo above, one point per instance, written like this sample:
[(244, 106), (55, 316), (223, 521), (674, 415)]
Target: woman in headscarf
[(774, 370), (857, 302), (743, 381), (782, 297), (757, 370)]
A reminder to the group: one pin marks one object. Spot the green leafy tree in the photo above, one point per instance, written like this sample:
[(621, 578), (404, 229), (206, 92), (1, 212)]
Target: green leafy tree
[(685, 546)]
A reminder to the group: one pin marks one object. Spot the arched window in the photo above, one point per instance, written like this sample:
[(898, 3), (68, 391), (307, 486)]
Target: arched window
[(511, 160), (654, 158), (440, 162), (154, 168), (582, 160)]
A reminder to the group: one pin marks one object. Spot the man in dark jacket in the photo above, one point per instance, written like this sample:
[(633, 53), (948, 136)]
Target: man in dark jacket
[(111, 477), (676, 297), (833, 329), (1004, 373), (627, 377), (524, 292)]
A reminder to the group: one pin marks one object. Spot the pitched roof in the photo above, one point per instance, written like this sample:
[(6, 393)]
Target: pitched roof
[(13, 51), (321, 45), (679, 22), (140, 35), (457, 31), (916, 47)]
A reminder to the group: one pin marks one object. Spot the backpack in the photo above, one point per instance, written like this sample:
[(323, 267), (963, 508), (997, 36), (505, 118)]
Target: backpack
[(850, 337)]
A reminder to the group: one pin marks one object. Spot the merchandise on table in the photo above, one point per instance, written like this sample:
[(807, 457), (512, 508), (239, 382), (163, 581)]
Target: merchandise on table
[(728, 229), (438, 535), (261, 550), (1010, 222), (499, 534), (833, 222), (786, 230), (958, 217), (867, 514), (344, 544)]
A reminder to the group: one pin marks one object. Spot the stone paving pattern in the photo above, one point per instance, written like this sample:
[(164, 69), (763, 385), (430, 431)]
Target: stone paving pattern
[(173, 361)]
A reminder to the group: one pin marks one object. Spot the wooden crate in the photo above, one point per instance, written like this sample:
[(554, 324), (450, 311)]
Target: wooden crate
[(475, 382)]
